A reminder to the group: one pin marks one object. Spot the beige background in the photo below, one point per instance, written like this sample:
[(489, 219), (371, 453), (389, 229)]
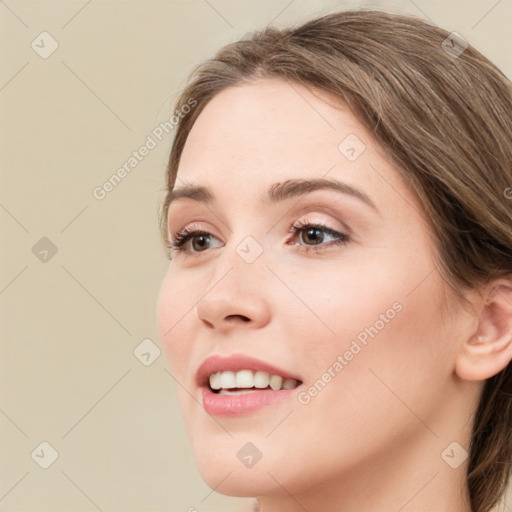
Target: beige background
[(70, 325)]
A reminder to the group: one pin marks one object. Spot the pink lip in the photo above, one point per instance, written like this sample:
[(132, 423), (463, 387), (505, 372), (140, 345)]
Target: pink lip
[(216, 404), (231, 405)]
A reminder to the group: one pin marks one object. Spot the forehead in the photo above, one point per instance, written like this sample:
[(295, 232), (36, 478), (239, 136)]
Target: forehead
[(251, 136), (272, 116)]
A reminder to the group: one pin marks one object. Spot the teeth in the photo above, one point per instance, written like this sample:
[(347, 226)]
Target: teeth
[(275, 382), (289, 384), (227, 380), (244, 379), (261, 379), (248, 379), (215, 380)]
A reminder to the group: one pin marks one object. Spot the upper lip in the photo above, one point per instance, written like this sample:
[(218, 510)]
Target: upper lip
[(234, 363)]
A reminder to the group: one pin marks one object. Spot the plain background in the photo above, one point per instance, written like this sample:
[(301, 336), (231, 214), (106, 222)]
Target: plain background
[(73, 316)]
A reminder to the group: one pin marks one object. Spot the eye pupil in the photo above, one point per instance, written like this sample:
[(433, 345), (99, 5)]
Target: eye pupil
[(203, 241), (313, 233)]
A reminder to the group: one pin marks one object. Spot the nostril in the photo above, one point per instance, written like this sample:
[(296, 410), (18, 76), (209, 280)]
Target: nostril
[(244, 318)]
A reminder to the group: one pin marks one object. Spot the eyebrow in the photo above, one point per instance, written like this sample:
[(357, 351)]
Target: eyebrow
[(276, 192)]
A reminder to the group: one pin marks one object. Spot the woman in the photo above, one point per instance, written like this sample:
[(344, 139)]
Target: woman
[(337, 311)]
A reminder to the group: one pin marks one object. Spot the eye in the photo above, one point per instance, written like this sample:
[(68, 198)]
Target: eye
[(315, 233), (178, 244)]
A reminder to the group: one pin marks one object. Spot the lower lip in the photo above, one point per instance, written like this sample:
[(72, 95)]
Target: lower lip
[(216, 404)]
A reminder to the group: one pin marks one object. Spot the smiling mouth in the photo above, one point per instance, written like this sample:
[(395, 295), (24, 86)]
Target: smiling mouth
[(248, 381)]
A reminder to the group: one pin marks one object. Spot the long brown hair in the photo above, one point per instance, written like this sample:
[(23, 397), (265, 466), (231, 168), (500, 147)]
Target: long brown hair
[(443, 113)]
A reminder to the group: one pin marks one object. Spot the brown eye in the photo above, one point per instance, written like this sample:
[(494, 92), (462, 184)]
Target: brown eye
[(313, 236), (199, 240)]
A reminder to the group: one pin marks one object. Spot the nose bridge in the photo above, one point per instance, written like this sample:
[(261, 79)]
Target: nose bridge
[(242, 260), (236, 294)]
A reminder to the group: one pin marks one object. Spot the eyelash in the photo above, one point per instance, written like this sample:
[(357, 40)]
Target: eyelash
[(178, 243)]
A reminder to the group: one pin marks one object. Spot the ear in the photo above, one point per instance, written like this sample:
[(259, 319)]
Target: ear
[(489, 349)]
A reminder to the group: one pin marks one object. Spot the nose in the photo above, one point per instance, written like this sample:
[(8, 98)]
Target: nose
[(234, 303)]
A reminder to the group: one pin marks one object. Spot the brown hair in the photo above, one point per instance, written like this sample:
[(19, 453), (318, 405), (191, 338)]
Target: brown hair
[(445, 120)]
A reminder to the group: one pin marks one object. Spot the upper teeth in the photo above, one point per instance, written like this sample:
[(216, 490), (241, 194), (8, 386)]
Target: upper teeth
[(250, 379)]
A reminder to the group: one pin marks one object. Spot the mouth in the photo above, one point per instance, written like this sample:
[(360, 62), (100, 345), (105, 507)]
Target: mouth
[(248, 381), (239, 384)]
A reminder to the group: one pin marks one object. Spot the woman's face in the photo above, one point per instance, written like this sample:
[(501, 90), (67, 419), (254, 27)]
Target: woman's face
[(359, 323)]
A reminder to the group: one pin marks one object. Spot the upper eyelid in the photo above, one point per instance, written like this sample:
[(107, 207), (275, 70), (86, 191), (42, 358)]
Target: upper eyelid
[(195, 225)]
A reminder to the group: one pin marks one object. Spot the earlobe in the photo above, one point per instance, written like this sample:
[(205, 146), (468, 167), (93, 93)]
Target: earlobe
[(489, 349)]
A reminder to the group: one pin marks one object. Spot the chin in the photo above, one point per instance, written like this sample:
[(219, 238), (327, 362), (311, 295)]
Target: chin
[(241, 482), (222, 468)]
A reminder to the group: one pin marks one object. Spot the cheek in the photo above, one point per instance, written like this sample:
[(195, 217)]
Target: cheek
[(172, 317), (389, 391), (386, 324), (396, 361)]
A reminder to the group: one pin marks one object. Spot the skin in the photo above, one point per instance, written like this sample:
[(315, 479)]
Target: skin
[(372, 439)]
